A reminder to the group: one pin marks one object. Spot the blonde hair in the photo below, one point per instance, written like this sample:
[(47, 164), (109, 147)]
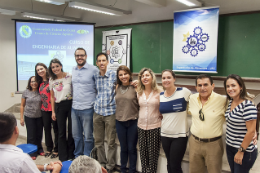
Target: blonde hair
[(141, 87)]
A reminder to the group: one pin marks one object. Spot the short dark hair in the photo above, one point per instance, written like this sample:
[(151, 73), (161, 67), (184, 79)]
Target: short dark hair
[(170, 71), (80, 48), (127, 70), (7, 126), (29, 83), (39, 78), (55, 60), (202, 76), (101, 53)]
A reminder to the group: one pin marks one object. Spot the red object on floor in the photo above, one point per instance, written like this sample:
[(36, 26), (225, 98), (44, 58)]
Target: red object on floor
[(34, 158), (42, 154)]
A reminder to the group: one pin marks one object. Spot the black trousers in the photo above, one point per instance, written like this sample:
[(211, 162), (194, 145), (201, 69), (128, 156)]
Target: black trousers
[(47, 122), (174, 149), (66, 145), (34, 128)]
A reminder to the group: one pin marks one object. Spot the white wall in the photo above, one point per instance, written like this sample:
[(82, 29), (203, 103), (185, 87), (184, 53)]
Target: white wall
[(7, 63)]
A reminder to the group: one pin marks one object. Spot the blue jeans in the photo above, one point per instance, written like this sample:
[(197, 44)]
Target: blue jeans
[(247, 161), (82, 121), (127, 135)]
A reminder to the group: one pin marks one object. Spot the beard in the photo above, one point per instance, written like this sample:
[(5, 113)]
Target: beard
[(81, 64)]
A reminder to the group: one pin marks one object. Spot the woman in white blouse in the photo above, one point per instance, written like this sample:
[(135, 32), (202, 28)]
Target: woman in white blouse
[(61, 102)]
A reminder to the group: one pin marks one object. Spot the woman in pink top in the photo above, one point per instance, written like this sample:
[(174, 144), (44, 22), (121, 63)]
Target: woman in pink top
[(149, 122)]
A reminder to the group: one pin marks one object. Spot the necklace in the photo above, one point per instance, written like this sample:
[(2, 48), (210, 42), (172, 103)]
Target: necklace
[(123, 91)]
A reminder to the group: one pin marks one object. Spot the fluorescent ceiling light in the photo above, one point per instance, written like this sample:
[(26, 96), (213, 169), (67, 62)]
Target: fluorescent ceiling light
[(189, 3), (7, 12), (45, 17), (94, 8), (55, 2)]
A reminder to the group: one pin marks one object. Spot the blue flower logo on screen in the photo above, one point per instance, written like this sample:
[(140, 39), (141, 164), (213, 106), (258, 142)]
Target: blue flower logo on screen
[(25, 31), (195, 42)]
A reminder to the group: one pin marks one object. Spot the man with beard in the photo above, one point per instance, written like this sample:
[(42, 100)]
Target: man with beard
[(84, 94)]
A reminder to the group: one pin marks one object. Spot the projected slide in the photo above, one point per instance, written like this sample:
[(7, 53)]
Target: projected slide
[(41, 42)]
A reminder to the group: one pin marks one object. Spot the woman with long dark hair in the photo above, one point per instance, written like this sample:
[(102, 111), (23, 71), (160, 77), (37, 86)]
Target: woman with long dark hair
[(61, 102), (42, 78), (241, 116), (30, 113), (127, 109)]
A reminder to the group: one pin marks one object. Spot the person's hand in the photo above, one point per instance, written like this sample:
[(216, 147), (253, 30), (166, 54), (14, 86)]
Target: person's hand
[(134, 83), (103, 170), (22, 122), (57, 166), (255, 138), (239, 157), (53, 116)]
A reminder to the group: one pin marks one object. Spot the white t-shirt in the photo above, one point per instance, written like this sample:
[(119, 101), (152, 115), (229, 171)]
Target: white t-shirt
[(13, 160), (173, 109), (62, 88)]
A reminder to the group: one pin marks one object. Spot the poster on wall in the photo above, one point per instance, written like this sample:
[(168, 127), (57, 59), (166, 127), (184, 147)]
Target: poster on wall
[(195, 40), (116, 44)]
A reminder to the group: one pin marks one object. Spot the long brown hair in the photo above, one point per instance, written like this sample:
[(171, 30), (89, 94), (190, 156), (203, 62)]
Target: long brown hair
[(127, 70), (39, 78), (55, 60)]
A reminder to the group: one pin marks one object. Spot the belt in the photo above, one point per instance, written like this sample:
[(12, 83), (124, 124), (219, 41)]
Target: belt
[(206, 140)]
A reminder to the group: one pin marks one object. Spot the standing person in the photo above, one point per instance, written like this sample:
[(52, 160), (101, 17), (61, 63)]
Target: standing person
[(42, 78), (30, 113), (241, 116), (174, 128), (61, 102), (84, 94), (127, 109), (149, 122), (104, 116), (207, 109)]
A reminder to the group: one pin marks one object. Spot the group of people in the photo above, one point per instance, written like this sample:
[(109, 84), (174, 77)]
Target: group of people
[(100, 101)]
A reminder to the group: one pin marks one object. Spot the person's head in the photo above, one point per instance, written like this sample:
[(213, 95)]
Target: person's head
[(235, 87), (124, 75), (80, 56), (168, 78), (32, 84), (41, 71), (102, 61), (8, 127), (85, 164), (204, 86), (146, 78), (55, 68)]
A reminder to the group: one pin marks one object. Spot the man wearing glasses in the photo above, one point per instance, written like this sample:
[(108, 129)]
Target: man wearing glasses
[(84, 94), (207, 109)]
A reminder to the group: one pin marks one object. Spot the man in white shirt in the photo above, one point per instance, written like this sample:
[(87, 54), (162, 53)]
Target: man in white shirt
[(12, 158)]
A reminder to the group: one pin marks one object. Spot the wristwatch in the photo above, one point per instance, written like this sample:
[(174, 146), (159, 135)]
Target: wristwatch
[(241, 149)]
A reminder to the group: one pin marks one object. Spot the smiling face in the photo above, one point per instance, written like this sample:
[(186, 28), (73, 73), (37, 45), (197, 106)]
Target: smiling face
[(80, 57), (41, 71), (204, 88), (56, 68), (124, 77), (102, 63), (33, 83), (146, 78), (167, 80), (233, 89)]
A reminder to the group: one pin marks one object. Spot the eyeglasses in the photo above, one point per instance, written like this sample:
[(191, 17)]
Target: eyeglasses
[(77, 56), (201, 116), (33, 81)]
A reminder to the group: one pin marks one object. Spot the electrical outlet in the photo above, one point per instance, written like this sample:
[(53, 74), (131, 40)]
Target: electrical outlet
[(12, 94)]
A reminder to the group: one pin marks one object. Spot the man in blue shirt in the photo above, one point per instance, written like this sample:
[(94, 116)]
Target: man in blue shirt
[(104, 116), (84, 94)]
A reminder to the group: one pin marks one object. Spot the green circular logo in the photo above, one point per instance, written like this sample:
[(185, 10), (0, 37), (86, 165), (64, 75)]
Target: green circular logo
[(25, 31)]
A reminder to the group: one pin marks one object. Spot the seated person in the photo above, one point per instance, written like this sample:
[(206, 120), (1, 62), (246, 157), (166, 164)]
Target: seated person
[(12, 158), (85, 164)]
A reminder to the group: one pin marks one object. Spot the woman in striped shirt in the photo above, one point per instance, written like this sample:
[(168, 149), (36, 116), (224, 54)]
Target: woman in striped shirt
[(241, 118)]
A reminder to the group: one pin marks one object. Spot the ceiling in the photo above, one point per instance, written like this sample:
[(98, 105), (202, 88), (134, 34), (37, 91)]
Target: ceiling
[(142, 10)]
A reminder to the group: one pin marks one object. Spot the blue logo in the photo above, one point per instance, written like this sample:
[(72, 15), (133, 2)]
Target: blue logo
[(25, 31), (195, 42)]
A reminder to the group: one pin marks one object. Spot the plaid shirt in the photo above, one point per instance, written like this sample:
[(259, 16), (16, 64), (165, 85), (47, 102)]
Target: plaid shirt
[(105, 100)]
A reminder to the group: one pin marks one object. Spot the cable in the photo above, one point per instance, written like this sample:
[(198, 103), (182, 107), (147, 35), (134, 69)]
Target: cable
[(113, 4), (32, 4), (65, 9)]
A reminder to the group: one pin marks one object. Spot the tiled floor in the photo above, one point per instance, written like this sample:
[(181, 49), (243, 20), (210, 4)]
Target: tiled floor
[(41, 160)]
